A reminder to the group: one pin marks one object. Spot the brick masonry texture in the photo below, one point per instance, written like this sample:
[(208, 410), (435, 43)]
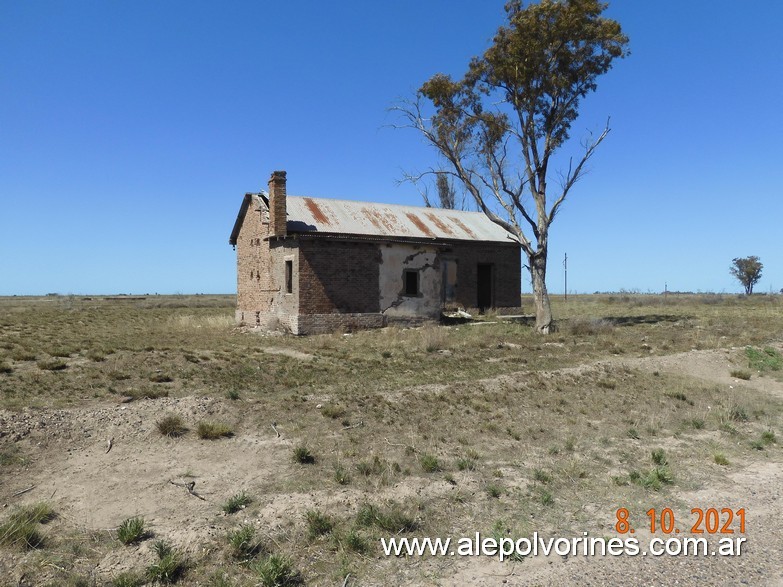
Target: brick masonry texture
[(338, 277), (506, 272)]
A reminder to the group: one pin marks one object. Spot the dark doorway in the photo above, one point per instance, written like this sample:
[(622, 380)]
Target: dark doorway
[(484, 286)]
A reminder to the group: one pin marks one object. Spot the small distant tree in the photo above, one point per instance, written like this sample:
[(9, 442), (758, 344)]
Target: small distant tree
[(447, 194), (747, 270)]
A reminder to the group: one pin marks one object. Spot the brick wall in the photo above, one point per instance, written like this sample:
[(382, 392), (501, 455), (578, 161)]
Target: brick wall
[(253, 264), (338, 277), (506, 261)]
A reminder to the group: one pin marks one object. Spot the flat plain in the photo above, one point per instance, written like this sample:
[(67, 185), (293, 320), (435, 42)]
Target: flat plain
[(146, 440)]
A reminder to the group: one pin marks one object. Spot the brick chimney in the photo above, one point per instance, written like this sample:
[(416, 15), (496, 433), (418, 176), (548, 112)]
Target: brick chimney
[(277, 211)]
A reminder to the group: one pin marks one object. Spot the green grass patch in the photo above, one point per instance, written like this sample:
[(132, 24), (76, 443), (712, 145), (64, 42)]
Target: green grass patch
[(132, 530), (766, 359)]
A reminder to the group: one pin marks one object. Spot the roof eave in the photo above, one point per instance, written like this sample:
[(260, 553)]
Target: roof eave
[(393, 239)]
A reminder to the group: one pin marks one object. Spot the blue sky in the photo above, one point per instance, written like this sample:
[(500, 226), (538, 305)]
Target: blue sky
[(129, 132)]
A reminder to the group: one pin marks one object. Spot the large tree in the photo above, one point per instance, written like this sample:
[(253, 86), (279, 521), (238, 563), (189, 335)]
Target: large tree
[(498, 127), (747, 270)]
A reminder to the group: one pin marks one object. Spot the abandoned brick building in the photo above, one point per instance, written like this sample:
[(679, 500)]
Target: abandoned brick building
[(314, 265)]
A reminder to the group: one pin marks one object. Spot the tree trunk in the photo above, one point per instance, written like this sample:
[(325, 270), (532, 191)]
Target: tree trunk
[(537, 264)]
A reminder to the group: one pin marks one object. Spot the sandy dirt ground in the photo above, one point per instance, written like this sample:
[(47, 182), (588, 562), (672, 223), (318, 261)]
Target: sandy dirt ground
[(95, 490)]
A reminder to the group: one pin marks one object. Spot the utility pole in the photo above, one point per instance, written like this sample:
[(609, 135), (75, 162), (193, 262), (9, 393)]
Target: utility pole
[(565, 275)]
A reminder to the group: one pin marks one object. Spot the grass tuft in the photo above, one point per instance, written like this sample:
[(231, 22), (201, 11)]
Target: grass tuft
[(21, 528), (355, 542), (341, 476), (23, 534), (333, 411), (243, 543), (590, 327), (653, 479), (52, 365), (659, 457), (161, 378), (277, 571), (721, 459), (214, 430), (391, 519), (236, 502), (318, 524), (303, 456), (127, 580), (147, 393), (429, 463), (131, 530), (169, 566), (541, 476), (738, 414), (494, 490), (545, 497), (37, 513), (172, 426)]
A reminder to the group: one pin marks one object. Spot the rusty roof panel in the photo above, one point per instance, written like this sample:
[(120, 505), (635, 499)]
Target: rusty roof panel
[(467, 230), (317, 213), (389, 220), (419, 224)]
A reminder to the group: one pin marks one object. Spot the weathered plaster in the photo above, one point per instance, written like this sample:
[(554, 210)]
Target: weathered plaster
[(397, 258)]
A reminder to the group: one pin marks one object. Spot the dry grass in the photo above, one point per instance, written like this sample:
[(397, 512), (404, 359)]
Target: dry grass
[(214, 430), (482, 427)]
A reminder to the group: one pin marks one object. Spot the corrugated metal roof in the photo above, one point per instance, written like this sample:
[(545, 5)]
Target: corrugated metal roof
[(389, 220)]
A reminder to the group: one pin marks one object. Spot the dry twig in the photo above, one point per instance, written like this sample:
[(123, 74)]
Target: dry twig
[(23, 491)]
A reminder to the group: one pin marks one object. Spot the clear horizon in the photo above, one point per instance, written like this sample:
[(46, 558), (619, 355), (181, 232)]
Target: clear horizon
[(130, 133)]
